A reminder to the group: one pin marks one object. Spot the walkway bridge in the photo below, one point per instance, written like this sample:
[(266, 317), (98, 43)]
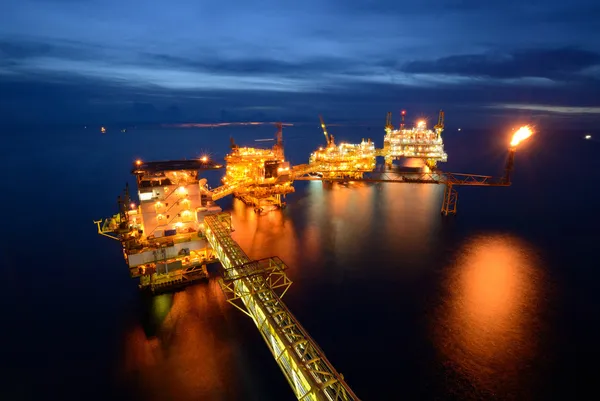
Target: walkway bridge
[(380, 174), (227, 189), (256, 288)]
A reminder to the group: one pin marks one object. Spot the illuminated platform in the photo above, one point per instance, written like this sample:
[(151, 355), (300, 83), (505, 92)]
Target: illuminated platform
[(259, 177), (418, 142), (161, 235)]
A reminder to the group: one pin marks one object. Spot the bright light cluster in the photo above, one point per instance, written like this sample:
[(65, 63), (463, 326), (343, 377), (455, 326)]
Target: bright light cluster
[(247, 164), (521, 134), (246, 172), (417, 142), (345, 157)]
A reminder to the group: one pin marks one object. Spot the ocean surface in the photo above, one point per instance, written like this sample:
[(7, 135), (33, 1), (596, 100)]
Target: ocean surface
[(499, 302)]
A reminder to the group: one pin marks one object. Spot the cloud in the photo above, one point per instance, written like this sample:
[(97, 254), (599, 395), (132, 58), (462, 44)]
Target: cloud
[(94, 99), (197, 71), (193, 71), (261, 66), (553, 64), (550, 109), (98, 58)]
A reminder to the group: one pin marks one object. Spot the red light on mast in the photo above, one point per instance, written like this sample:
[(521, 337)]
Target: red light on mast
[(403, 112)]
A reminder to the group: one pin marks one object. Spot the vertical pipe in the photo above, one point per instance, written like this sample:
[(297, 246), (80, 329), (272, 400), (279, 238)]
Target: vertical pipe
[(510, 162)]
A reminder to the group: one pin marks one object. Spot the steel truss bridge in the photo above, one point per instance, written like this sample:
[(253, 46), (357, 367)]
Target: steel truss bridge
[(450, 180), (256, 287)]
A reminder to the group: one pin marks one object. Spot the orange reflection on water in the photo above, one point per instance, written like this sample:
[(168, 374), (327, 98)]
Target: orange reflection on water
[(264, 235), (411, 216), (191, 354), (314, 207), (486, 328), (339, 218), (350, 209)]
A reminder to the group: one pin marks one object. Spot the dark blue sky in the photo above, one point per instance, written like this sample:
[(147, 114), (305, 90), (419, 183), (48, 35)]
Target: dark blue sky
[(102, 61)]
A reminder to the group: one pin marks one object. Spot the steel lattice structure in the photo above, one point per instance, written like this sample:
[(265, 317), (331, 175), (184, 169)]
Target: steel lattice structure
[(251, 287)]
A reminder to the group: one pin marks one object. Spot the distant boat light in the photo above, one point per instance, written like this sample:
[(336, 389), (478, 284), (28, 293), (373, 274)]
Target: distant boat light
[(588, 137)]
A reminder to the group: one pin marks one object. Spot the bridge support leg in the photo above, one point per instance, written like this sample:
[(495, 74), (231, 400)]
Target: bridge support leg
[(450, 200)]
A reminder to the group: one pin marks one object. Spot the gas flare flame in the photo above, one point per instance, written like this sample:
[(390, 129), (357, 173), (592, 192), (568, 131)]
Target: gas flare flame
[(521, 134)]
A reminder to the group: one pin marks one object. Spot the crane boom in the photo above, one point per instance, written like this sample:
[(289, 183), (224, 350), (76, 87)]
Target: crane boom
[(327, 139), (440, 124)]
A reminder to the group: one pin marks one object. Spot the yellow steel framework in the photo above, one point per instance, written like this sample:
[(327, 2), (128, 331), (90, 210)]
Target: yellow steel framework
[(264, 195), (105, 229), (450, 201), (251, 287)]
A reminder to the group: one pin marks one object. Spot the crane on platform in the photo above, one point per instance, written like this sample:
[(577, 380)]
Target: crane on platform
[(328, 137), (440, 125)]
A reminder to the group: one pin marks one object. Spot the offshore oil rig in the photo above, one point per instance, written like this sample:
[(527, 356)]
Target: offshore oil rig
[(176, 230), (352, 160), (162, 238), (259, 177), (417, 143)]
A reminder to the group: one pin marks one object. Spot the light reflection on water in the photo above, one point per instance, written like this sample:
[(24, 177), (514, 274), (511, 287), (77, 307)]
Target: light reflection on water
[(486, 329), (377, 314), (411, 220), (344, 239), (265, 235), (191, 353)]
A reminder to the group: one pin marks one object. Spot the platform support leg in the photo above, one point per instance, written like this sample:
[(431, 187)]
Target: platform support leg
[(431, 163), (450, 200)]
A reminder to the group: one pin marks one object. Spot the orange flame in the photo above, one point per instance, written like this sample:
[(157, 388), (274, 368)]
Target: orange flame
[(521, 134)]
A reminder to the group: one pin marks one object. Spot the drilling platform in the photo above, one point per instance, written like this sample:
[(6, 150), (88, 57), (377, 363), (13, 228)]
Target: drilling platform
[(176, 230)]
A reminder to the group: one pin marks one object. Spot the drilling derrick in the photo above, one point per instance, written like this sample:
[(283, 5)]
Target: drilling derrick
[(344, 160), (418, 143), (388, 122)]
